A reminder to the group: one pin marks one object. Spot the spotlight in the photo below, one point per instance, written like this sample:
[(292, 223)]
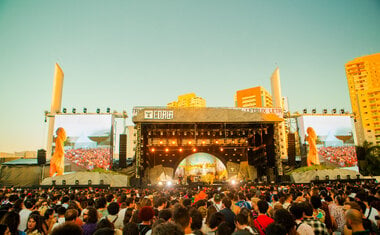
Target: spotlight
[(84, 110), (216, 142), (190, 142), (314, 111), (76, 182), (173, 142), (194, 150), (108, 110), (161, 142), (304, 111), (160, 183), (180, 150), (324, 111), (166, 150), (233, 182), (97, 110), (334, 111), (152, 150), (64, 110), (74, 110), (221, 149), (169, 183)]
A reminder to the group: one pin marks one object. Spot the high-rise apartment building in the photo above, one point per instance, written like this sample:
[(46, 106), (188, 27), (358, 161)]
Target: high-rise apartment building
[(253, 97), (363, 77), (187, 101)]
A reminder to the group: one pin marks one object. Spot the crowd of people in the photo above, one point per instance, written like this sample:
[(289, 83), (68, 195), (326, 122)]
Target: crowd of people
[(90, 158), (342, 156), (336, 208)]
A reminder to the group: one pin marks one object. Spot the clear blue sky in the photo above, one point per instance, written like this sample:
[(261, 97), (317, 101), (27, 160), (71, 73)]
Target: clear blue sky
[(121, 54)]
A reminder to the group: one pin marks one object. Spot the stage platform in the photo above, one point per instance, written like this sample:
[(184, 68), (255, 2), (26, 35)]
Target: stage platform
[(87, 179), (325, 175)]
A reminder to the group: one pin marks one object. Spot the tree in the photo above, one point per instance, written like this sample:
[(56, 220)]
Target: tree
[(368, 156)]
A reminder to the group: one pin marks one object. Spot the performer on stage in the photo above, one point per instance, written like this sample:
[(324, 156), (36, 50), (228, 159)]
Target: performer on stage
[(57, 161), (312, 156)]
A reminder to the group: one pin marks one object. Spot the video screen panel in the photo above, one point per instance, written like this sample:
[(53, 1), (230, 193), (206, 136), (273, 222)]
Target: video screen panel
[(88, 142), (335, 138)]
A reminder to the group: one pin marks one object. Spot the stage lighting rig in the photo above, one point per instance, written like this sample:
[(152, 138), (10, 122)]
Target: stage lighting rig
[(108, 110), (64, 110), (84, 110), (74, 110), (98, 110)]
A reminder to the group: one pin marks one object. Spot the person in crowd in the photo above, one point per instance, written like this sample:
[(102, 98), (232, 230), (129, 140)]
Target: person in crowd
[(61, 216), (128, 210), (288, 199), (318, 227), (101, 206), (12, 220), (206, 222), (166, 214), (131, 228), (182, 217), (216, 219), (242, 228), (224, 229), (90, 218), (113, 217), (318, 213), (283, 217), (48, 221), (34, 225), (105, 231), (337, 213), (275, 229), (370, 212), (227, 212), (242, 202), (355, 223), (298, 210), (4, 230), (67, 229), (146, 215), (262, 220), (167, 228), (24, 214)]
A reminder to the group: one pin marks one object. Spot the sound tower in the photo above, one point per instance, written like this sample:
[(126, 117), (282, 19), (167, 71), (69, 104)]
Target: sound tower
[(41, 156), (123, 151), (291, 149)]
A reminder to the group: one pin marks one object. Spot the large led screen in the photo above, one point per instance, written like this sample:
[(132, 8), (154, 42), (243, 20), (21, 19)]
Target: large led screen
[(88, 142), (335, 138)]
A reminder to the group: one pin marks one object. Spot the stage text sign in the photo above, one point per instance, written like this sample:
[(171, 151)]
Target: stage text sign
[(159, 114)]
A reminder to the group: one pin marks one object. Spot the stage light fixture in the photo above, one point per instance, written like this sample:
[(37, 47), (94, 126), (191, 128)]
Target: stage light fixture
[(160, 183), (161, 142), (76, 182), (74, 110), (348, 177), (305, 111), (189, 142), (173, 142), (180, 150), (233, 182), (194, 150), (221, 149), (358, 177), (314, 111), (63, 182), (108, 110), (98, 110), (169, 183), (324, 111), (64, 110), (89, 182), (84, 110), (216, 142), (342, 111), (338, 177), (327, 177), (152, 150), (53, 182), (203, 142), (166, 150), (101, 182), (334, 111)]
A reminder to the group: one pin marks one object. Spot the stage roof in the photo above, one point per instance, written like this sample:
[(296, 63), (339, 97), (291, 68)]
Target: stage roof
[(205, 115)]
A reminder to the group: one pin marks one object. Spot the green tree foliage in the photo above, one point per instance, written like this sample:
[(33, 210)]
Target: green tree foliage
[(368, 158)]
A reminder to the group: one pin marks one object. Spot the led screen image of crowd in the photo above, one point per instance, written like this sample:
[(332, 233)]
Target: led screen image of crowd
[(335, 138), (88, 142)]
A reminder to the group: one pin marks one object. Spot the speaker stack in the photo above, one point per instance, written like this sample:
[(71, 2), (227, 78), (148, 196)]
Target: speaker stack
[(123, 151), (41, 156)]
